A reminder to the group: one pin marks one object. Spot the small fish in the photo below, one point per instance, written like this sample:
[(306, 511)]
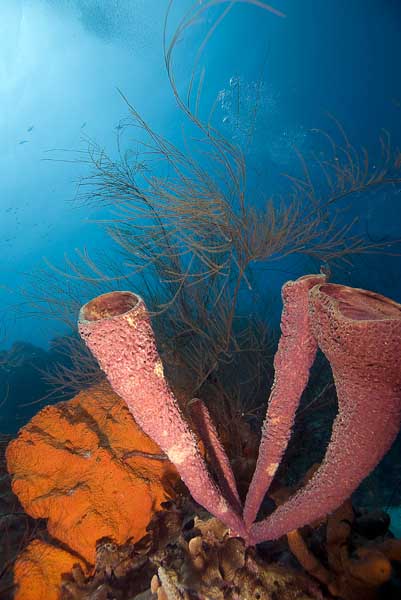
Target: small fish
[(23, 142), (83, 124), (30, 129)]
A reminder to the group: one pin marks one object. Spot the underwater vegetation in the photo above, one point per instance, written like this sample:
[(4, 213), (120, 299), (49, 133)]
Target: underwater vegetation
[(82, 464), (360, 334), (191, 357)]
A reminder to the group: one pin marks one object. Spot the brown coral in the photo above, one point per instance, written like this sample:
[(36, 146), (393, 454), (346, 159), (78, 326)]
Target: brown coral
[(86, 467), (211, 565), (354, 571)]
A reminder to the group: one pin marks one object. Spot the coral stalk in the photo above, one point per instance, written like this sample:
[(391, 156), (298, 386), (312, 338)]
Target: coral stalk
[(117, 329), (360, 334), (292, 362)]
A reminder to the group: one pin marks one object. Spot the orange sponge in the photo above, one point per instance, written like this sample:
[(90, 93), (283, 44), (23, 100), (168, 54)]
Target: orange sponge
[(86, 467)]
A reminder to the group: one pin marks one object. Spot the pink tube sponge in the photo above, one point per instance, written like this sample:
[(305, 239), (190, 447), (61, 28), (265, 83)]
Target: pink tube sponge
[(360, 334), (294, 357), (222, 467), (117, 329)]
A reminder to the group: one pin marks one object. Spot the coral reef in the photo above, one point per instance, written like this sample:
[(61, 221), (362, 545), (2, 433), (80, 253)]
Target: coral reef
[(186, 556), (120, 572), (352, 555), (100, 481), (360, 334), (196, 558), (125, 571), (212, 565), (86, 467)]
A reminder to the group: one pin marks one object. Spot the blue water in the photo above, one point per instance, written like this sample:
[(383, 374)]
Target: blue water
[(63, 62)]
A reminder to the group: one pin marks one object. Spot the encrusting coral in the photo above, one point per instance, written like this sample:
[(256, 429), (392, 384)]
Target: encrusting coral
[(360, 333), (86, 467)]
